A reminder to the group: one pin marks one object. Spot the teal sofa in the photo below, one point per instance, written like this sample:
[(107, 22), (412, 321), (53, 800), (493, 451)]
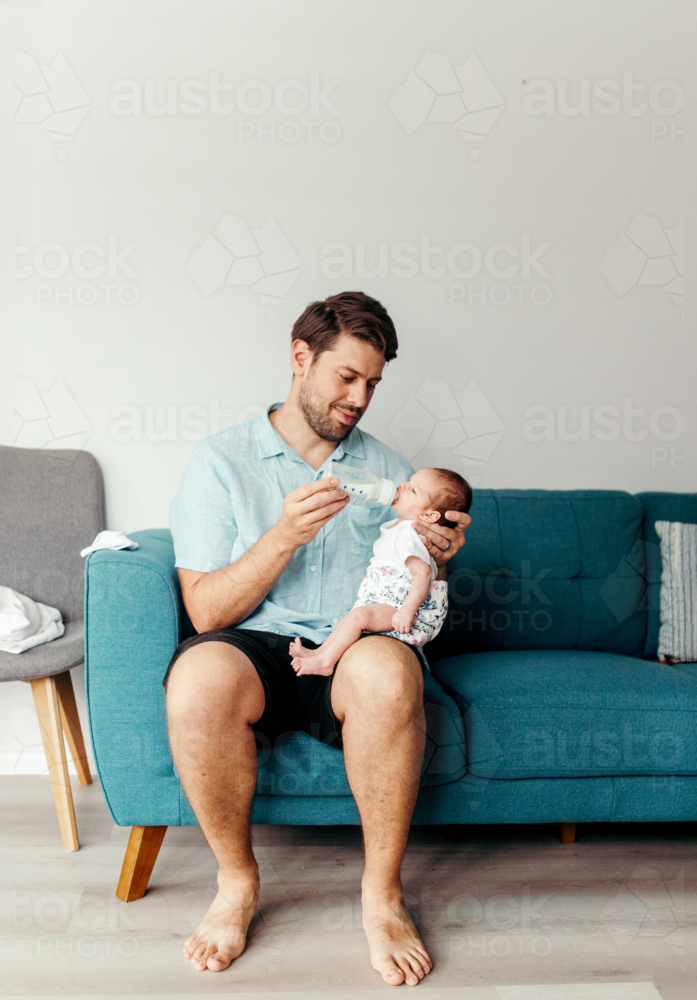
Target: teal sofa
[(545, 703)]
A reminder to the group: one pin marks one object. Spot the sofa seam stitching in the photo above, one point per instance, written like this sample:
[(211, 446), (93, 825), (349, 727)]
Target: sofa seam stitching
[(595, 708), (581, 576)]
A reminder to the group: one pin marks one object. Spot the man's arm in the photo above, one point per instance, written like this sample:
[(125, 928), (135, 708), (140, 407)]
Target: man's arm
[(228, 595)]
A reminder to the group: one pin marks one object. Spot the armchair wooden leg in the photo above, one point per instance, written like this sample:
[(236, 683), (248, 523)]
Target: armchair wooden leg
[(141, 854), (567, 833), (72, 727), (48, 711)]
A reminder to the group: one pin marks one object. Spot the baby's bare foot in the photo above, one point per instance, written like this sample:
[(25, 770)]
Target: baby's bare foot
[(297, 650), (222, 934), (312, 664), (396, 950)]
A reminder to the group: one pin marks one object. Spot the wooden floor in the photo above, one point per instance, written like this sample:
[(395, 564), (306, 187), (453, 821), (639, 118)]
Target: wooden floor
[(508, 913)]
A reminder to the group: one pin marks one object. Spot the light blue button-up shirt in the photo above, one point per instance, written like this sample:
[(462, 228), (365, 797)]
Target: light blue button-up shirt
[(232, 493)]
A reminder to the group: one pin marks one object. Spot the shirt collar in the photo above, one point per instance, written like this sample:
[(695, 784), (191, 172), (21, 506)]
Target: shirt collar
[(271, 443), (351, 445)]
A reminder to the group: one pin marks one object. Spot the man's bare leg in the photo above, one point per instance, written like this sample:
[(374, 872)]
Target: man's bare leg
[(366, 618), (377, 694), (214, 695)]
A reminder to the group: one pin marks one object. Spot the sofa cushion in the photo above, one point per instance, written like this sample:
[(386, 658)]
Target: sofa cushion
[(549, 714), (542, 569), (677, 637), (660, 507)]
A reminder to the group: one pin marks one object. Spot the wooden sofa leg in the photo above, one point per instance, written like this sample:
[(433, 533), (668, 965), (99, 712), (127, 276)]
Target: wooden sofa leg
[(567, 833), (48, 711), (72, 727), (141, 854)]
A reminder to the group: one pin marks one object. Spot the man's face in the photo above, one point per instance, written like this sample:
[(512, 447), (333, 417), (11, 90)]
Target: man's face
[(338, 385)]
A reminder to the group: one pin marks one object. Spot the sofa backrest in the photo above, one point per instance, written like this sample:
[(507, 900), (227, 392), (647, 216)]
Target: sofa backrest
[(549, 569)]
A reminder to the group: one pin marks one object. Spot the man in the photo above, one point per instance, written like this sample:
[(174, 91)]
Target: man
[(266, 551)]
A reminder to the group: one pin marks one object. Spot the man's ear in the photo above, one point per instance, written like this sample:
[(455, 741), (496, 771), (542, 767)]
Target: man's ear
[(300, 357), (431, 516)]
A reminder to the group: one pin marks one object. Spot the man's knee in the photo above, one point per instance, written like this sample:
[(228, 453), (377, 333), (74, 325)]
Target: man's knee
[(213, 678), (384, 673)]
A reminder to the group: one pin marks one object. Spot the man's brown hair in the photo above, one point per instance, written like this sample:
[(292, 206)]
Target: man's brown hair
[(455, 494), (350, 312)]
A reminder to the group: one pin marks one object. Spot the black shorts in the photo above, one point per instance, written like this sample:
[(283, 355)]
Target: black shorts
[(292, 703)]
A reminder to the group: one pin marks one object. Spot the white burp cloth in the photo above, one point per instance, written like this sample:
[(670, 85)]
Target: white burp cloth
[(110, 540), (25, 623)]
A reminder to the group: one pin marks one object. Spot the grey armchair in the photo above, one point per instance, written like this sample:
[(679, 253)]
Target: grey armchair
[(51, 507)]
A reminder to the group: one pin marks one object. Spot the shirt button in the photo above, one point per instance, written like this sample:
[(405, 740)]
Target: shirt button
[(313, 568), (335, 620)]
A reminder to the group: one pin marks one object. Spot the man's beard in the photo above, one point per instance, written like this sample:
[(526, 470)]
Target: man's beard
[(320, 420)]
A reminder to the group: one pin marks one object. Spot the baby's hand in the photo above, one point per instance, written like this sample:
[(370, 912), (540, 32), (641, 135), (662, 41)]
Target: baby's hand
[(401, 621)]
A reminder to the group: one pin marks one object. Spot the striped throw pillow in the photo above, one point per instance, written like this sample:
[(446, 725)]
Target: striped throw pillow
[(677, 638)]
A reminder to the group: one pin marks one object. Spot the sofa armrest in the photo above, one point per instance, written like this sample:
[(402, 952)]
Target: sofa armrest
[(134, 620)]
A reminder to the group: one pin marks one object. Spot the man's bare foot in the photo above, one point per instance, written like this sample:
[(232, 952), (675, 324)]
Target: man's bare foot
[(222, 934), (396, 950)]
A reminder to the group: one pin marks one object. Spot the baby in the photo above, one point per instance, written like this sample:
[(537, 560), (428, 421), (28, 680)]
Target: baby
[(399, 595)]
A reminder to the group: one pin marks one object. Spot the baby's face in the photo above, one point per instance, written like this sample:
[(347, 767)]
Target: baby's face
[(417, 495)]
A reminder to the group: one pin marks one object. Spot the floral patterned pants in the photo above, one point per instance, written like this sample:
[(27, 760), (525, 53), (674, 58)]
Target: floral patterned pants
[(385, 586)]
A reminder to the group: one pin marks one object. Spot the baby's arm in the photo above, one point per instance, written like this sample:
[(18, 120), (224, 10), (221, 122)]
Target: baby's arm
[(420, 586)]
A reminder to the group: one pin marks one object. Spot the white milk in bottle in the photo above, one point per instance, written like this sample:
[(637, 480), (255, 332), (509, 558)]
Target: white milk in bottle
[(361, 485)]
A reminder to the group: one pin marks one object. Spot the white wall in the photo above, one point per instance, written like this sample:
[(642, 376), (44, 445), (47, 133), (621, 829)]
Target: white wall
[(563, 333)]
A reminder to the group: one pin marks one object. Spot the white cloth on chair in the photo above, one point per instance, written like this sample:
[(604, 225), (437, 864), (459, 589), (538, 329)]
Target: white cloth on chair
[(25, 623), (110, 540)]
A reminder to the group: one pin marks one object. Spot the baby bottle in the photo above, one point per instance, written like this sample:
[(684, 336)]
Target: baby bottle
[(361, 485)]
